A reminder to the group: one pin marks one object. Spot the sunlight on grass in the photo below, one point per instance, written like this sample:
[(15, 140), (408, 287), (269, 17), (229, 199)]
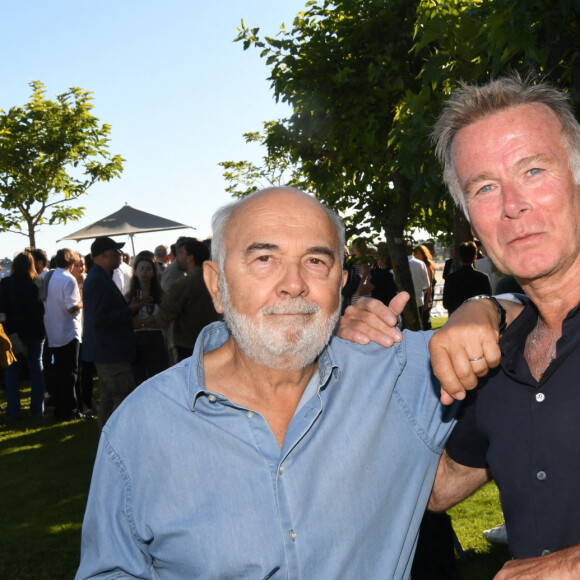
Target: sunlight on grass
[(12, 450), (59, 529)]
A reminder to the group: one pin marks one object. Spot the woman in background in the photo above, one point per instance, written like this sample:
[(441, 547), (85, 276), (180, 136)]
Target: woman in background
[(20, 302), (422, 253), (152, 356)]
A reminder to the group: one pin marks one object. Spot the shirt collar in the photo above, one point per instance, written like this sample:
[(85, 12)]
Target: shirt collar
[(215, 335)]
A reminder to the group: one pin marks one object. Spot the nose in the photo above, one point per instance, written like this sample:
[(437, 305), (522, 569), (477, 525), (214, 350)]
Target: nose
[(515, 202), (292, 282)]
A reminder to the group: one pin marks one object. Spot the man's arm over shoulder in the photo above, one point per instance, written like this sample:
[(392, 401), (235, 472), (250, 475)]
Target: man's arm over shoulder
[(454, 482)]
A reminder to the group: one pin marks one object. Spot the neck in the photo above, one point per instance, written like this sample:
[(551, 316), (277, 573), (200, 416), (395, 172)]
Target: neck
[(554, 296), (273, 393)]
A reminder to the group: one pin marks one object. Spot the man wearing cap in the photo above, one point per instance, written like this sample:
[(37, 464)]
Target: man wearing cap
[(108, 339)]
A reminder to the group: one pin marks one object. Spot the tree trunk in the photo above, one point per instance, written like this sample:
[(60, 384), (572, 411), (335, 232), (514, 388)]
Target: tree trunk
[(461, 233), (394, 224)]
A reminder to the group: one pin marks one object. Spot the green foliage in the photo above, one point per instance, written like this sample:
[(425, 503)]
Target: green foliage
[(51, 153), (366, 80), (277, 167)]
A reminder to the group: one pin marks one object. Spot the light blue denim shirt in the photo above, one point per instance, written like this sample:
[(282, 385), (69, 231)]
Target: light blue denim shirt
[(188, 484)]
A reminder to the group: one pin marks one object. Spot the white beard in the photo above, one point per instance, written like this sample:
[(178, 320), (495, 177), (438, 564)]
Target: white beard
[(276, 342)]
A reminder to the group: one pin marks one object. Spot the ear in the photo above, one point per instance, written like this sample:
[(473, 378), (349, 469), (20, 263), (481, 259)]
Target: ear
[(212, 281), (344, 278)]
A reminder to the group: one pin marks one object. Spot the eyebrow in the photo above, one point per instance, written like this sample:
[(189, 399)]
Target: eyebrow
[(321, 250), (520, 163)]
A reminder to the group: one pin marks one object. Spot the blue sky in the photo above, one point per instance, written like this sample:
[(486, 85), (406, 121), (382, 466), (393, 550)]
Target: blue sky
[(168, 78)]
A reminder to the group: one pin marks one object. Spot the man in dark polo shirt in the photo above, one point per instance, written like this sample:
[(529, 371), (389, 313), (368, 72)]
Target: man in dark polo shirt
[(511, 153), (108, 339)]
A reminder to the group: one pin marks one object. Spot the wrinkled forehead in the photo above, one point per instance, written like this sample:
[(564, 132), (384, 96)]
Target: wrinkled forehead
[(282, 218)]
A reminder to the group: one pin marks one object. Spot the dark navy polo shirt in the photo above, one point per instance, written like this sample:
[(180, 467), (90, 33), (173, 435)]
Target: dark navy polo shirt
[(528, 434)]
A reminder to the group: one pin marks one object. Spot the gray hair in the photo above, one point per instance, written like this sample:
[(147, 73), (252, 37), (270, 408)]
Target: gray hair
[(222, 216), (470, 104)]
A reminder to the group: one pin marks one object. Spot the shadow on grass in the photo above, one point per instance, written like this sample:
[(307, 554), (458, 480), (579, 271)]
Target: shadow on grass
[(46, 471), (484, 565)]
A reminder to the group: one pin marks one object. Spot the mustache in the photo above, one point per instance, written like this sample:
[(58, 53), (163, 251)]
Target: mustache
[(294, 306)]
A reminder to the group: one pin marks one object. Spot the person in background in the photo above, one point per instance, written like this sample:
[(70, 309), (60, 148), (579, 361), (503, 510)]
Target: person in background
[(423, 254), (84, 385), (162, 259), (40, 261), (187, 306), (152, 357), (123, 273), (380, 282), (173, 272), (63, 311), (20, 302), (421, 282), (465, 282), (109, 341)]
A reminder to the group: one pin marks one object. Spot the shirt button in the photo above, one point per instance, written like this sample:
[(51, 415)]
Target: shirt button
[(540, 397), (545, 552), (212, 398), (293, 535), (541, 475), (281, 469), (250, 414)]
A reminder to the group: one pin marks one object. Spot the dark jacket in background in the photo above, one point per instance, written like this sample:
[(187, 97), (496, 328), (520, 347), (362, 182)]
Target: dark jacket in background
[(463, 284), (107, 328)]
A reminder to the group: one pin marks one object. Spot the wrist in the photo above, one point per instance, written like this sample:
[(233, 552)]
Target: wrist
[(501, 313)]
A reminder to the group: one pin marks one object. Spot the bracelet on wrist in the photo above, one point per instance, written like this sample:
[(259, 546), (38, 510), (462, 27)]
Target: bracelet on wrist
[(501, 313)]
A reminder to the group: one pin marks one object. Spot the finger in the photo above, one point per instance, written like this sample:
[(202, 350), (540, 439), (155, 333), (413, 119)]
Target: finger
[(446, 398), (398, 303), (454, 372), (370, 306), (362, 332)]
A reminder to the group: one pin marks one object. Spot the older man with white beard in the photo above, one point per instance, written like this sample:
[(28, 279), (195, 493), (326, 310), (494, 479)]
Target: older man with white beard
[(275, 450)]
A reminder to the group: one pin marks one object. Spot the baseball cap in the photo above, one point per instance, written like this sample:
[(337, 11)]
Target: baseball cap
[(101, 245)]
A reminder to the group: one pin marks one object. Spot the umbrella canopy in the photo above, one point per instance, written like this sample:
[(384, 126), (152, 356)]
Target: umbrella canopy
[(128, 221)]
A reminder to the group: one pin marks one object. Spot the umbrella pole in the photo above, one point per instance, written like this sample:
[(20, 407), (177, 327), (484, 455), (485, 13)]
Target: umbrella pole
[(132, 245)]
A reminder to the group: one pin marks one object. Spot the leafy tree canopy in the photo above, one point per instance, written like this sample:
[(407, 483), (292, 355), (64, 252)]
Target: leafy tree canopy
[(51, 153)]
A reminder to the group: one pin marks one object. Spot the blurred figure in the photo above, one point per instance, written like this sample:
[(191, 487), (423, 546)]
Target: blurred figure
[(152, 357), (87, 371), (40, 261), (380, 283), (173, 272), (162, 257), (465, 282), (187, 305), (63, 307), (123, 273), (20, 302), (421, 282), (423, 254)]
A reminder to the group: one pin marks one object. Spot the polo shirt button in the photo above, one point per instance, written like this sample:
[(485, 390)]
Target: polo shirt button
[(545, 552), (293, 535), (541, 475), (281, 469), (250, 414), (540, 397), (212, 398)]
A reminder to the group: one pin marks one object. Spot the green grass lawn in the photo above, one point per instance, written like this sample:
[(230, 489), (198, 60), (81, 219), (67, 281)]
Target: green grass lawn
[(45, 476)]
